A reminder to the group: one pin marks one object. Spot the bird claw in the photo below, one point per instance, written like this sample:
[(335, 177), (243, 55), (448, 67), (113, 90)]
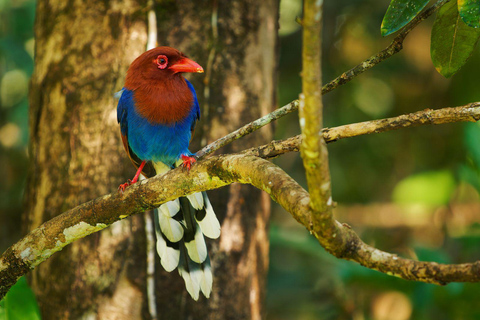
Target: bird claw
[(188, 161), (123, 186)]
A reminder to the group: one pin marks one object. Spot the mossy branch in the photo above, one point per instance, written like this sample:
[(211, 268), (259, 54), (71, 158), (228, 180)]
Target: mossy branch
[(211, 173), (313, 147), (97, 214)]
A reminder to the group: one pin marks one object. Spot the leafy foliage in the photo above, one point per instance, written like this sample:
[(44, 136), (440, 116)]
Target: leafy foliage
[(452, 40), (454, 36), (469, 11), (399, 13), (19, 303)]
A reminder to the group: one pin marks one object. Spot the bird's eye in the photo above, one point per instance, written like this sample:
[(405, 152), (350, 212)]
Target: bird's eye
[(162, 61)]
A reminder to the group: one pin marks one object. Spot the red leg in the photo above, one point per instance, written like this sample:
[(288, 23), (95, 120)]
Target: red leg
[(139, 171), (123, 186), (188, 161)]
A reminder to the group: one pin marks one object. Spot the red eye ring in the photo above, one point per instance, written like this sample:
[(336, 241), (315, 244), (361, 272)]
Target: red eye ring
[(162, 61)]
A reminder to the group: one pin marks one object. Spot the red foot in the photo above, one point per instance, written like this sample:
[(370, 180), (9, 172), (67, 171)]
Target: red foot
[(123, 186), (188, 161)]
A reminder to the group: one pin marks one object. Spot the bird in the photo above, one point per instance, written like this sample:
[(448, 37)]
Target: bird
[(157, 112)]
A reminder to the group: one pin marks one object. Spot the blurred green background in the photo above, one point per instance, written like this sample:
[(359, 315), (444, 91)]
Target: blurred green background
[(16, 66), (413, 192)]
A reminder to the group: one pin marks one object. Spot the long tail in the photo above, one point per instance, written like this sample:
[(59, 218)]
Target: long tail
[(180, 226)]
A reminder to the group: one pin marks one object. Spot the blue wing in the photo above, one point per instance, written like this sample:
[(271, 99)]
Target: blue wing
[(124, 104), (196, 107)]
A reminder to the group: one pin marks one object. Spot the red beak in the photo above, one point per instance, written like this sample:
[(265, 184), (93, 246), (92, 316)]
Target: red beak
[(186, 65)]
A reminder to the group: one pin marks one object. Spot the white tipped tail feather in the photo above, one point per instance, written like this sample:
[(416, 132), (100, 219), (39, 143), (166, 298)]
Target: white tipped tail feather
[(180, 226)]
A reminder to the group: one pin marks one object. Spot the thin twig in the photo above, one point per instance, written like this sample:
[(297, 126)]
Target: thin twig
[(395, 46), (249, 128), (467, 113)]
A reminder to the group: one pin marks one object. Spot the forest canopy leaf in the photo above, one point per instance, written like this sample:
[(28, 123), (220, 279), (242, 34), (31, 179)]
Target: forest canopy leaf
[(452, 40), (469, 11), (19, 303), (399, 13)]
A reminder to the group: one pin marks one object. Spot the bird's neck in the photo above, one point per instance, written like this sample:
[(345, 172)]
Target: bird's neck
[(163, 102)]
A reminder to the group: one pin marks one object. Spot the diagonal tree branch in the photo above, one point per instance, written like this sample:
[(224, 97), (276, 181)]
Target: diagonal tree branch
[(97, 214), (467, 113), (211, 173)]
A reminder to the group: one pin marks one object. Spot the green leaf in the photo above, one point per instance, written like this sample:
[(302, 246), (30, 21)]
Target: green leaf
[(429, 188), (2, 310), (470, 176), (470, 12), (399, 13), (19, 303), (452, 40), (472, 132)]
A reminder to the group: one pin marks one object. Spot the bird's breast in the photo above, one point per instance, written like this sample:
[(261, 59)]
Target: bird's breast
[(164, 103)]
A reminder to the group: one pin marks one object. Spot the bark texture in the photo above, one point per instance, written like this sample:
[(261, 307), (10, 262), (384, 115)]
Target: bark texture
[(82, 51), (236, 43)]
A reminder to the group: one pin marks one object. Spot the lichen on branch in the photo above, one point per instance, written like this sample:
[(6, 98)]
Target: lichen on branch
[(211, 173), (467, 113)]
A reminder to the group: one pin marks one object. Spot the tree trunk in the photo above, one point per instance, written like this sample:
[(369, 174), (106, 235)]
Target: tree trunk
[(82, 52), (83, 49), (236, 43)]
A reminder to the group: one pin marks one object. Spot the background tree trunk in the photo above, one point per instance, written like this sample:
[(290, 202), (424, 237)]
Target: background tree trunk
[(82, 52)]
